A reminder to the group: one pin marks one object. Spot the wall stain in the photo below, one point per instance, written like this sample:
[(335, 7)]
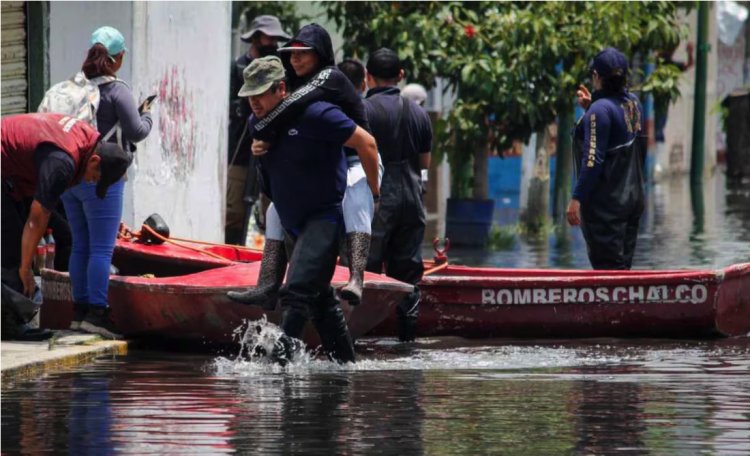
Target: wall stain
[(177, 126)]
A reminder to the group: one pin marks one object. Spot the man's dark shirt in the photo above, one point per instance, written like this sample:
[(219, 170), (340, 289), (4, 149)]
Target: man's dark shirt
[(304, 171), (56, 171), (382, 105)]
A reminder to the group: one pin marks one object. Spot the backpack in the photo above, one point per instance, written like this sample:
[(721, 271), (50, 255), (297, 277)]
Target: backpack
[(77, 97)]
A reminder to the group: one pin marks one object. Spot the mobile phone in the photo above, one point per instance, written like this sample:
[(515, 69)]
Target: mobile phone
[(148, 101)]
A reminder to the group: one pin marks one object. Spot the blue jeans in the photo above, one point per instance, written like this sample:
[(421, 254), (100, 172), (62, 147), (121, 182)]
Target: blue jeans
[(94, 223)]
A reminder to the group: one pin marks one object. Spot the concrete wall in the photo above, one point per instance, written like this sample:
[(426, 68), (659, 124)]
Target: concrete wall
[(177, 50), (725, 73), (183, 54)]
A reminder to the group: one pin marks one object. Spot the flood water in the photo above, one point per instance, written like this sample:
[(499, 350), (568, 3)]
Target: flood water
[(439, 397), (670, 235)]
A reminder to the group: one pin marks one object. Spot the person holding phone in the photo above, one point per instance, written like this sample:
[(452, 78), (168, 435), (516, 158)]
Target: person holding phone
[(94, 221), (609, 146)]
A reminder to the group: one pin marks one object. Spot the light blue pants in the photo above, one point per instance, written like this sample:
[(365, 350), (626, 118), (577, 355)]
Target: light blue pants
[(94, 223)]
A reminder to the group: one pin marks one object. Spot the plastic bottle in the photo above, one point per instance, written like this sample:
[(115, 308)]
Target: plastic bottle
[(39, 257), (49, 260)]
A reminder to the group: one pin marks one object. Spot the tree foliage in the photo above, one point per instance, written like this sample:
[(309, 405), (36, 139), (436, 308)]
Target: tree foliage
[(287, 12), (512, 65)]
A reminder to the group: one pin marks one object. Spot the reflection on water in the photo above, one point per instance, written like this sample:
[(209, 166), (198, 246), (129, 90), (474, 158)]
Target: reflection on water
[(443, 396), (670, 236)]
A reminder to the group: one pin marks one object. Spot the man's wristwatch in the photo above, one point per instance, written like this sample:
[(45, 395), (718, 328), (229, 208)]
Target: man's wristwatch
[(376, 198)]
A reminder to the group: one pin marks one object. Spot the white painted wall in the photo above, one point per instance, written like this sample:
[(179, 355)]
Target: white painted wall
[(182, 51), (678, 132), (183, 54), (70, 28)]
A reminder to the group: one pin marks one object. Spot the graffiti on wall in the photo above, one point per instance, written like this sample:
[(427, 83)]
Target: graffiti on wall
[(177, 126)]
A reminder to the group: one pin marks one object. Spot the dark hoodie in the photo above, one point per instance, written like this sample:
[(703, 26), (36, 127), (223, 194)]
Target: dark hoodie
[(328, 84)]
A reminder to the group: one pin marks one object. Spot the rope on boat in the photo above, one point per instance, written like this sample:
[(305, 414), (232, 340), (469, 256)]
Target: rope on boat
[(437, 268), (127, 233)]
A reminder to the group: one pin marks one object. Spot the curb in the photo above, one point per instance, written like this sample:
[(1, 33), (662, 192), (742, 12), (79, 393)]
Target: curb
[(68, 357)]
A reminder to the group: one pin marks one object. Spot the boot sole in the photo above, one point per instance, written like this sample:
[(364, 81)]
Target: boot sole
[(350, 297), (92, 329)]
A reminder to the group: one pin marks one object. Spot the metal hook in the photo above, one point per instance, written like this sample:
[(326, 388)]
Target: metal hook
[(440, 254)]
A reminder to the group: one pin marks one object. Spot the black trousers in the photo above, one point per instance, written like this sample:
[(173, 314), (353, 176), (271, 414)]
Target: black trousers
[(398, 226), (308, 292), (610, 243)]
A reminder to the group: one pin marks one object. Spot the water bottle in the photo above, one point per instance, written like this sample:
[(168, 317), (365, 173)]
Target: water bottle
[(39, 257), (49, 260)]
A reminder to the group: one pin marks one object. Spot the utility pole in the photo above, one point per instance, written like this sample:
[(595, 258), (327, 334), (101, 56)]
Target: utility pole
[(699, 111)]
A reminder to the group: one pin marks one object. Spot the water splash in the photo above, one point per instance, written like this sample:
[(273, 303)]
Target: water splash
[(265, 343)]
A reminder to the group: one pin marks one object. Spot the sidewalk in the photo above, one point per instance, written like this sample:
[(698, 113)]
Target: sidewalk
[(66, 349)]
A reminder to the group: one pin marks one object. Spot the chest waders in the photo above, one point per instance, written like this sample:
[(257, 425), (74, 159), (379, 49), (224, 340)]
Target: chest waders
[(399, 224), (610, 216)]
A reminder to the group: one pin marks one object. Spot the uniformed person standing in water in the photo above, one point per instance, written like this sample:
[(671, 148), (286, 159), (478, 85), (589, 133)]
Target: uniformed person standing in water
[(609, 146), (404, 135)]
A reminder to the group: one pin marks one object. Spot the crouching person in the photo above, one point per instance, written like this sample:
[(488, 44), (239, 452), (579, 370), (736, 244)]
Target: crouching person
[(43, 154), (304, 174)]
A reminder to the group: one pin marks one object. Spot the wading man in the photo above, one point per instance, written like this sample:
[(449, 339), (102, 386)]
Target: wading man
[(304, 174), (404, 135)]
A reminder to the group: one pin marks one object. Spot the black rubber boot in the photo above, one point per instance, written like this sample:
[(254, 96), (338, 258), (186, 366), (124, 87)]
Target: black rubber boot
[(80, 309), (98, 321), (334, 333), (358, 247), (270, 278), (407, 312)]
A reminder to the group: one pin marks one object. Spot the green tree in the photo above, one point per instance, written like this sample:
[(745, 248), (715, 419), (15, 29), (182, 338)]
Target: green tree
[(287, 12), (513, 66)]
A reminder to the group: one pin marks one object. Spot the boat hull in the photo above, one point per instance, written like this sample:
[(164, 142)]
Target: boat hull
[(484, 302), (194, 306)]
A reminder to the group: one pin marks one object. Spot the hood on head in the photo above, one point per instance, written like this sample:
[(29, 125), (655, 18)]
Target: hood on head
[(316, 37)]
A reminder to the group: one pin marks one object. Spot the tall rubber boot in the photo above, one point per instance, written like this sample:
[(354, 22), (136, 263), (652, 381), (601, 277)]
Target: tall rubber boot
[(330, 323), (358, 246), (270, 278), (293, 323), (407, 312)]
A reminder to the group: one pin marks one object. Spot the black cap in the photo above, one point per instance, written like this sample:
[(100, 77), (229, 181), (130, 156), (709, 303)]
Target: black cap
[(114, 163), (609, 62), (384, 64)]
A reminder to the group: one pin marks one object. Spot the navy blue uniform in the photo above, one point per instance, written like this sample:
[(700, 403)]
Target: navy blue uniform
[(304, 174), (403, 132), (305, 169), (609, 141)]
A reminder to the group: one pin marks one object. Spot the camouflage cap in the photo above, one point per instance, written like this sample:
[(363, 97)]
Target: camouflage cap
[(260, 75)]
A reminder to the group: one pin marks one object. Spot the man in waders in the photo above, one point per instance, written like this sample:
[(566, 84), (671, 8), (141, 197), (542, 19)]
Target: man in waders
[(310, 71), (43, 154), (403, 132), (304, 174), (608, 197), (264, 34)]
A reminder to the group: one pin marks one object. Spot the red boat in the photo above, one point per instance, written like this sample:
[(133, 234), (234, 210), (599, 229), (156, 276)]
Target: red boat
[(487, 302), (178, 291)]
